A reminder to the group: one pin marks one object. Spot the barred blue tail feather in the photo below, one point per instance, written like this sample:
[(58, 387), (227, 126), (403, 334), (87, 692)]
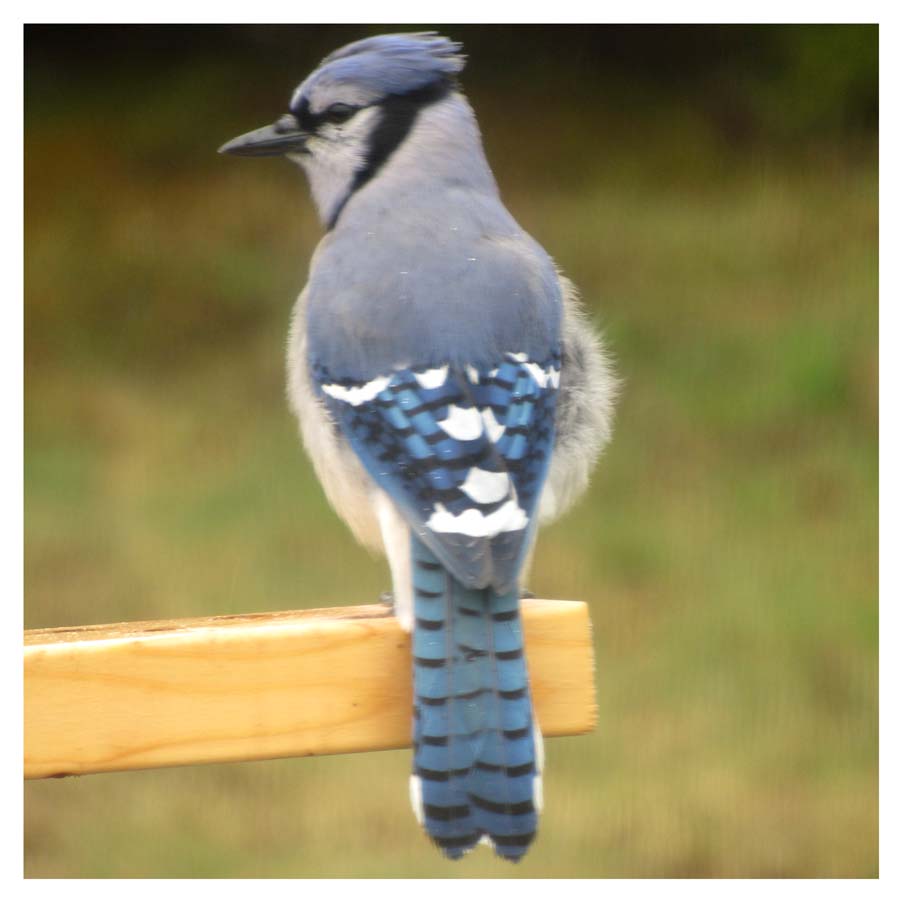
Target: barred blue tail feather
[(476, 771)]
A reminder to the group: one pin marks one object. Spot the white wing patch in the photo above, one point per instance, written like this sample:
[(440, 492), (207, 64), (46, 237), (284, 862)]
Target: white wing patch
[(543, 378), (359, 393), (486, 487), (462, 424), (539, 375), (491, 425), (510, 517), (433, 377)]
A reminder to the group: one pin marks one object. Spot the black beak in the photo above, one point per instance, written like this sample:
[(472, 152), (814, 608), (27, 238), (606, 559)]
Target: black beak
[(282, 137)]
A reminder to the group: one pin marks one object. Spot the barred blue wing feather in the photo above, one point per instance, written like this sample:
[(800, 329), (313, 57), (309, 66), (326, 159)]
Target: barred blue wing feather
[(462, 451)]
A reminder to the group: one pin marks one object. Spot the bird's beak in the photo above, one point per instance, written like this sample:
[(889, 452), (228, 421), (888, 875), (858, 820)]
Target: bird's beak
[(282, 137)]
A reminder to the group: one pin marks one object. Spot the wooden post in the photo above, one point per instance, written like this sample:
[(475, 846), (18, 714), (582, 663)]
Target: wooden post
[(125, 696)]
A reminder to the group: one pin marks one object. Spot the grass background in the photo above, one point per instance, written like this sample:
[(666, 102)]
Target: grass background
[(714, 193)]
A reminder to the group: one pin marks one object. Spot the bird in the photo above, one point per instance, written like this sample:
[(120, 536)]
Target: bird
[(452, 395)]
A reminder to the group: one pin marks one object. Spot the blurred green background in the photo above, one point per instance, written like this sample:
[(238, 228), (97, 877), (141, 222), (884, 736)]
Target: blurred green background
[(714, 193)]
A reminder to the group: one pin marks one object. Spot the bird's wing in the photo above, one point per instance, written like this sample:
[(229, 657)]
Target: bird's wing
[(463, 452)]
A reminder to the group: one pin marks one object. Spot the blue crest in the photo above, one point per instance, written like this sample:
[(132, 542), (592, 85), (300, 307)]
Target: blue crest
[(390, 64)]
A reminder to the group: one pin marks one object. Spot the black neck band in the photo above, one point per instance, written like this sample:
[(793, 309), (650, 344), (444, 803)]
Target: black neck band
[(395, 120)]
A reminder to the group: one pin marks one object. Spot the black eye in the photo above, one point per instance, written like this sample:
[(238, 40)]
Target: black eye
[(339, 113)]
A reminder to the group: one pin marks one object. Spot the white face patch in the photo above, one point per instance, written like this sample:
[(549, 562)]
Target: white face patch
[(335, 154), (509, 517), (486, 487), (462, 424)]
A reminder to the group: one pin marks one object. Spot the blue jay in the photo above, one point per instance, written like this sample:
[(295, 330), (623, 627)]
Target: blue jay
[(452, 396)]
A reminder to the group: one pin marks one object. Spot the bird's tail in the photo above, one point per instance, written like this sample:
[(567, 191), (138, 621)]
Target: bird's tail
[(477, 763)]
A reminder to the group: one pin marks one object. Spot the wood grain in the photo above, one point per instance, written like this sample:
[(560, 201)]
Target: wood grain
[(126, 696)]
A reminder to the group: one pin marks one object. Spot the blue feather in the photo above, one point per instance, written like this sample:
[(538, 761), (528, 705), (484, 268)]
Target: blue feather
[(399, 435), (474, 765), (387, 65)]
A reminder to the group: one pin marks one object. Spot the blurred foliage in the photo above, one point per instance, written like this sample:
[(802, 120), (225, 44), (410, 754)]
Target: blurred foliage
[(714, 193)]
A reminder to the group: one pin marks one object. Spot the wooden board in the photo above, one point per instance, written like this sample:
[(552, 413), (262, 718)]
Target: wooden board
[(142, 695)]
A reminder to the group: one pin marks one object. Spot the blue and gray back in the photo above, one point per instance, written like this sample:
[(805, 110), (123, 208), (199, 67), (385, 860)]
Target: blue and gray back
[(433, 343)]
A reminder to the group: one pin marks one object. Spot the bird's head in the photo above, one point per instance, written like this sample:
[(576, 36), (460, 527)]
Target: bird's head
[(349, 116)]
